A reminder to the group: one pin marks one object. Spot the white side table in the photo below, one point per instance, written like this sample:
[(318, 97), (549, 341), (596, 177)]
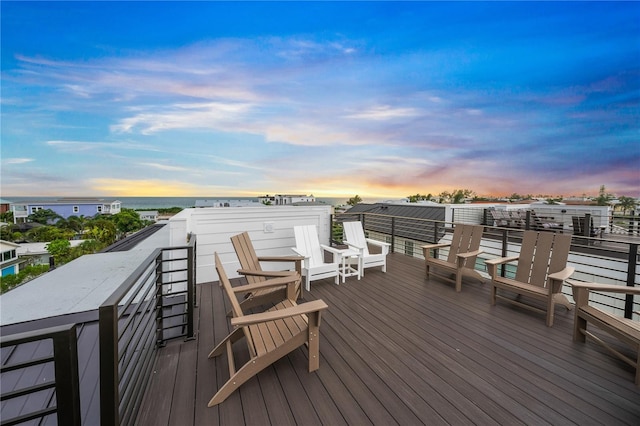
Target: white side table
[(346, 269)]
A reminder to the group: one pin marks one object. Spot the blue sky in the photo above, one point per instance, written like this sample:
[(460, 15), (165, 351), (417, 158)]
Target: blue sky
[(379, 99)]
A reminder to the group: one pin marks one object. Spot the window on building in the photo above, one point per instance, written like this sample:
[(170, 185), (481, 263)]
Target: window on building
[(76, 209), (35, 209), (8, 255), (408, 248), (99, 209)]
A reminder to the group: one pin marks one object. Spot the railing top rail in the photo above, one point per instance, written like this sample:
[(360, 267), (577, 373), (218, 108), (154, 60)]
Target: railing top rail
[(30, 336)]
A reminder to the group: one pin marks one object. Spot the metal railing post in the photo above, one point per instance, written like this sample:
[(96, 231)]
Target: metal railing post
[(159, 301), (190, 291), (393, 234), (631, 271), (109, 395), (505, 241), (65, 352)]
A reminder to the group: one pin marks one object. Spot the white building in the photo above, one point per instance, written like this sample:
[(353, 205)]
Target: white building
[(286, 200)]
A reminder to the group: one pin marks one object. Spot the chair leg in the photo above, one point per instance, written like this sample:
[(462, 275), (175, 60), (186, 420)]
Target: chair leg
[(578, 325), (550, 310), (314, 341), (494, 290), (248, 371), (458, 281), (233, 337)]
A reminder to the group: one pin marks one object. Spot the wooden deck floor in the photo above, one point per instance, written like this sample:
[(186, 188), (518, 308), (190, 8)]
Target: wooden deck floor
[(398, 349)]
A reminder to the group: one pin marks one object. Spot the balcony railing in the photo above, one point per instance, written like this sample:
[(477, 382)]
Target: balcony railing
[(57, 389), (599, 259), (153, 305)]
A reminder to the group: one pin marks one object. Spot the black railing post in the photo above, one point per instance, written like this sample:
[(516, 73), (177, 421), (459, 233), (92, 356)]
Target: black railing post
[(586, 229), (109, 395), (159, 300), (527, 220), (631, 272), (191, 287), (505, 241), (393, 234), (65, 352)]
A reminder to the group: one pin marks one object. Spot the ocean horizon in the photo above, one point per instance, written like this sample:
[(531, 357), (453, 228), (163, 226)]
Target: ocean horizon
[(153, 203)]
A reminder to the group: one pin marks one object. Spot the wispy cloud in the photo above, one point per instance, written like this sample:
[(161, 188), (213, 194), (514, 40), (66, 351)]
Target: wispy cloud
[(409, 101), (8, 161)]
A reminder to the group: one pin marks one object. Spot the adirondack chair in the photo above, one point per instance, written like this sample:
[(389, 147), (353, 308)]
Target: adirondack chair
[(250, 267), (269, 335), (624, 329), (314, 266), (354, 238), (541, 271), (463, 251)]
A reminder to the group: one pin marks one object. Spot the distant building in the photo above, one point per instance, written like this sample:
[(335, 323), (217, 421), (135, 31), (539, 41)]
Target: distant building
[(65, 207), (5, 206), (226, 203), (151, 215), (9, 262), (37, 253), (286, 200)]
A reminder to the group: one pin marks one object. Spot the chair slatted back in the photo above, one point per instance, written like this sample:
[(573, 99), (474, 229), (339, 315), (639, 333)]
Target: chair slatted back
[(542, 253), (465, 238), (354, 233), (247, 256), (307, 242), (235, 305)]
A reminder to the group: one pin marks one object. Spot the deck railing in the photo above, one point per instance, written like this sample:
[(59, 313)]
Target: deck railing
[(57, 391), (154, 304), (598, 259)]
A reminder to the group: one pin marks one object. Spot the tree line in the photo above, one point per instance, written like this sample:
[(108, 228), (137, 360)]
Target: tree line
[(460, 196), (96, 233)]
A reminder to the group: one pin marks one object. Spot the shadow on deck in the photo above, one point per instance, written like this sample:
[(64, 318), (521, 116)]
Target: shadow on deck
[(397, 349)]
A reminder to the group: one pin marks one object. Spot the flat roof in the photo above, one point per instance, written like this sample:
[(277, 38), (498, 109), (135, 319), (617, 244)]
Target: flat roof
[(78, 286)]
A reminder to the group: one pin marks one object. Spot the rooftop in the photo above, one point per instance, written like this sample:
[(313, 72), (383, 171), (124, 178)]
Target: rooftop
[(398, 349)]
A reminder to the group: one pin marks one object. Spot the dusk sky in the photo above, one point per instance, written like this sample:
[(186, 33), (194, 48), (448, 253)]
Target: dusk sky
[(379, 99)]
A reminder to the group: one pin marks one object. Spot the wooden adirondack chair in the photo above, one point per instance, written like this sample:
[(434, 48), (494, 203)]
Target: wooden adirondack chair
[(250, 267), (269, 335), (314, 266), (624, 329), (354, 238), (541, 270), (463, 251)]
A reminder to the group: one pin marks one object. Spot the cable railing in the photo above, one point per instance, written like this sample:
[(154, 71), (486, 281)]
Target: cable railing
[(597, 259), (153, 305)]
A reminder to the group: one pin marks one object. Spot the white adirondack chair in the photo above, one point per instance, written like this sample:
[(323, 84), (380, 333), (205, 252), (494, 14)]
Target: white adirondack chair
[(314, 266), (354, 237)]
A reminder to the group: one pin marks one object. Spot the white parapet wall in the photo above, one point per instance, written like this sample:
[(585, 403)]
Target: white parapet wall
[(270, 229)]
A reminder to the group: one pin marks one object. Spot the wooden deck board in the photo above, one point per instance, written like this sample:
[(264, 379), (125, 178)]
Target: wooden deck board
[(399, 349)]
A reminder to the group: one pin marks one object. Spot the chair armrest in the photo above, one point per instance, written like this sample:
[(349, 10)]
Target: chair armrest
[(280, 258), (469, 254), (493, 263), (274, 282), (557, 278), (266, 273), (435, 246), (501, 260), (562, 275), (607, 288), (304, 308)]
